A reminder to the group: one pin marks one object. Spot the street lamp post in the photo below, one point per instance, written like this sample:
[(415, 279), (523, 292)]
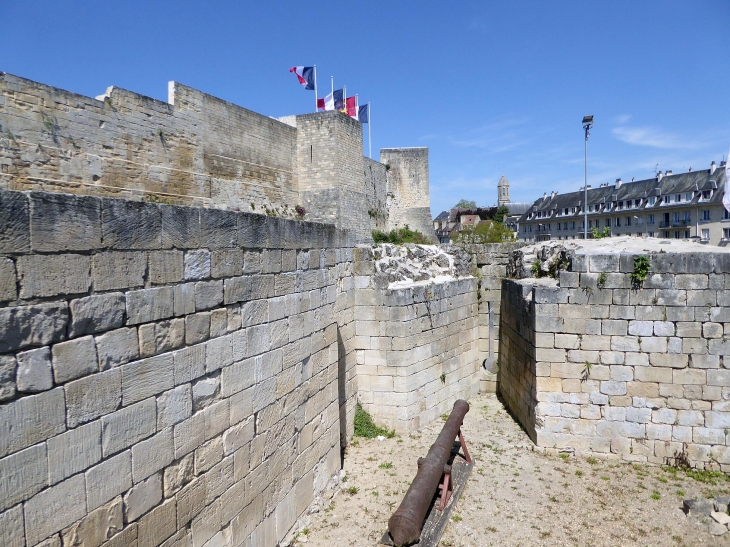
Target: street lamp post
[(587, 124)]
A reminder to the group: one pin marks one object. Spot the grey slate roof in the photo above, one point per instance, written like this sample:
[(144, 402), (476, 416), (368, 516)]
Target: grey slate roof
[(669, 185)]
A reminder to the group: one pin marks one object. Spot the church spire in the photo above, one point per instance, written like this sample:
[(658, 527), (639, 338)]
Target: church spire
[(503, 191)]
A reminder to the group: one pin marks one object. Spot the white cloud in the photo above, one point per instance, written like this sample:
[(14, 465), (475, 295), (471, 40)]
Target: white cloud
[(653, 137), (622, 119)]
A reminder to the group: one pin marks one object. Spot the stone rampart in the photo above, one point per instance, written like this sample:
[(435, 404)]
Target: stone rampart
[(416, 346), (168, 373), (594, 362), (376, 190), (409, 200)]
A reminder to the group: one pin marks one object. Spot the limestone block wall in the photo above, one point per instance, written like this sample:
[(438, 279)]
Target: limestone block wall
[(490, 262), (416, 347), (409, 202), (194, 149), (167, 374), (330, 166), (637, 372), (376, 190)]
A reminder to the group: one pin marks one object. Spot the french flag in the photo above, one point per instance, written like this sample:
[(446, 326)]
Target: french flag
[(333, 101), (305, 75)]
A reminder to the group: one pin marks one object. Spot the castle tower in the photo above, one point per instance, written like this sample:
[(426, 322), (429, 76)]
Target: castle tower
[(502, 191)]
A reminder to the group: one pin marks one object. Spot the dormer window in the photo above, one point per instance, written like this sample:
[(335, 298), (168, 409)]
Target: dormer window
[(677, 198), (620, 205), (706, 195), (688, 196), (652, 200)]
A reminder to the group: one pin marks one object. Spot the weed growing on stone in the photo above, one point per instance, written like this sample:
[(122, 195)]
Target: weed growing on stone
[(352, 490), (443, 377), (641, 270), (601, 280), (681, 493), (655, 495), (364, 426), (579, 473), (386, 465), (591, 460)]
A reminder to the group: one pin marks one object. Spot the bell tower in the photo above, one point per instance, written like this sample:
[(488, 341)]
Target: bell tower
[(502, 191)]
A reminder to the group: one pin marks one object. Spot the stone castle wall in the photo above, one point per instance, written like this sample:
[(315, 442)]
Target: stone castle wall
[(166, 372), (409, 201), (416, 346), (196, 149), (594, 363), (376, 191)]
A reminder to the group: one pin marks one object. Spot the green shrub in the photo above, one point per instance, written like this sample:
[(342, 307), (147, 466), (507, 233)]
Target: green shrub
[(485, 232), (400, 236)]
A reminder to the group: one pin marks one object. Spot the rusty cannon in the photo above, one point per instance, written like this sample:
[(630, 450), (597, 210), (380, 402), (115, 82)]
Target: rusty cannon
[(405, 524)]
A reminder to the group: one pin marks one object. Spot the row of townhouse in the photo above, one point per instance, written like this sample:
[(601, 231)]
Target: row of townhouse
[(683, 206)]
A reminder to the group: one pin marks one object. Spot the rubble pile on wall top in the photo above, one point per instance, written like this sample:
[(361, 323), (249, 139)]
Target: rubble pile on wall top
[(398, 266)]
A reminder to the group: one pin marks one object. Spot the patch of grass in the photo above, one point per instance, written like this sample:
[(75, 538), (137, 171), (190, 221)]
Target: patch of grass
[(375, 493), (386, 465), (564, 456), (591, 460), (707, 477), (681, 493), (662, 479), (456, 518), (579, 473), (352, 490), (545, 534), (655, 495), (364, 426), (400, 236), (444, 417), (605, 478)]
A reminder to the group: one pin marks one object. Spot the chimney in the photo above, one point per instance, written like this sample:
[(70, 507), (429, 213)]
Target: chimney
[(723, 163), (552, 194), (544, 195), (669, 172), (659, 176), (712, 167), (619, 182), (690, 169)]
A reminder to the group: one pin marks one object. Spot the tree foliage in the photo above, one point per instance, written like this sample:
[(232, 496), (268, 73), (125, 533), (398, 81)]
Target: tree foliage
[(485, 232), (466, 204)]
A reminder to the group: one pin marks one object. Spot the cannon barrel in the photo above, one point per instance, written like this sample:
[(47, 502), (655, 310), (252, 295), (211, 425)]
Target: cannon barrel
[(405, 524)]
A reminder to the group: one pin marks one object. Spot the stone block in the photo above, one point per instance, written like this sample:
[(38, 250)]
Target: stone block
[(178, 475), (180, 226), (197, 327), (8, 280), (218, 353), (184, 299), (197, 264), (668, 360), (131, 224), (704, 361), (641, 328), (689, 376), (54, 509), (719, 347), (717, 420), (12, 532), (8, 365), (226, 263), (30, 420), (218, 322), (74, 359), (718, 378), (191, 501), (93, 396), (52, 275), (128, 426), (189, 363), (117, 347), (64, 222), (157, 525), (165, 267), (712, 330), (161, 337), (14, 222), (208, 294), (74, 451), (208, 455), (205, 391), (603, 263), (613, 388), (147, 377), (152, 455), (142, 497), (622, 373), (96, 313), (118, 270), (614, 327), (108, 479), (218, 229), (23, 474), (34, 370), (174, 406), (147, 305), (95, 528), (613, 358)]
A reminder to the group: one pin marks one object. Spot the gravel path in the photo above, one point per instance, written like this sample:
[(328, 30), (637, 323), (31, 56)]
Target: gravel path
[(516, 496)]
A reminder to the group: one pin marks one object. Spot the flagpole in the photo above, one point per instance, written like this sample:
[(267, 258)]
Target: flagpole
[(370, 142), (315, 88)]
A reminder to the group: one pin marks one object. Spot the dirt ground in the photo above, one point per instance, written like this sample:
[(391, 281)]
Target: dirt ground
[(516, 496)]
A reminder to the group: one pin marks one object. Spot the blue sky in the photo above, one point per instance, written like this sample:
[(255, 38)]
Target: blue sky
[(492, 88)]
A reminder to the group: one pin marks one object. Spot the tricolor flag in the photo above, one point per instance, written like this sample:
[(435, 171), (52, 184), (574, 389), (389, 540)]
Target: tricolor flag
[(726, 195), (305, 74), (331, 101), (339, 98), (363, 113)]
